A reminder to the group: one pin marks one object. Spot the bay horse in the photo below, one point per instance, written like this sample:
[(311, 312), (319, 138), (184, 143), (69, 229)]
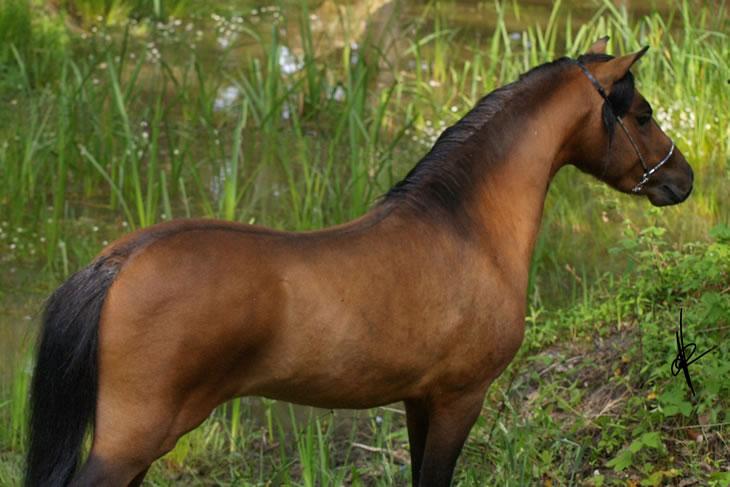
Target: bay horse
[(420, 300)]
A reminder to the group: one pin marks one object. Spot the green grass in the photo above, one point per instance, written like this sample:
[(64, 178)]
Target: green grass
[(31, 42), (124, 126), (89, 12), (129, 133)]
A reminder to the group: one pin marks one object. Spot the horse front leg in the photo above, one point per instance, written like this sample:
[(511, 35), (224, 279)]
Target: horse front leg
[(417, 422), (450, 418), (139, 478)]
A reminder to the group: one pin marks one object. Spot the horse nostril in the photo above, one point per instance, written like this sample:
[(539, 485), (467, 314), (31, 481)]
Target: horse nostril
[(670, 191)]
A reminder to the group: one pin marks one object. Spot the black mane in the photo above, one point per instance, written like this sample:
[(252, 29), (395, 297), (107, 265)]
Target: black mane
[(443, 178)]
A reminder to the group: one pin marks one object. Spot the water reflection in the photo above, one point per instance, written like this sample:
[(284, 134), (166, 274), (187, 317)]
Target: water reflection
[(226, 97), (288, 62)]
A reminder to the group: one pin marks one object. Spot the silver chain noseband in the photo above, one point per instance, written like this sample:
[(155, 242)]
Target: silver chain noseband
[(647, 172)]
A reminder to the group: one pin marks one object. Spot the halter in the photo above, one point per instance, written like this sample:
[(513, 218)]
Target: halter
[(647, 172)]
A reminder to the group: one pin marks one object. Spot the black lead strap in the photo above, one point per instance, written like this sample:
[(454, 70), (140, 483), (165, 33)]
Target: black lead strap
[(647, 172)]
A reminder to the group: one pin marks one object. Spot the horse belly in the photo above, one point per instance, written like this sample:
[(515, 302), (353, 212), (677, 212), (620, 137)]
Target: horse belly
[(330, 365), (340, 345), (350, 359)]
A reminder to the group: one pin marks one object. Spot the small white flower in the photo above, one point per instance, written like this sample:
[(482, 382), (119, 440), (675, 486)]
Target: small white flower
[(339, 94)]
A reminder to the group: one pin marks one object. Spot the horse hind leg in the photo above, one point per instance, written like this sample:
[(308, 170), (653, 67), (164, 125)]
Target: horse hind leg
[(128, 438), (122, 461), (97, 472), (121, 458), (103, 472)]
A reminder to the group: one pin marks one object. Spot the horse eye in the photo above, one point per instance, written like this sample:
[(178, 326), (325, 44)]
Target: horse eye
[(643, 119)]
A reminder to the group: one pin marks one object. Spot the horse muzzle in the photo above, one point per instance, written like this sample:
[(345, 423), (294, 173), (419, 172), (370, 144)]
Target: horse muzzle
[(670, 193)]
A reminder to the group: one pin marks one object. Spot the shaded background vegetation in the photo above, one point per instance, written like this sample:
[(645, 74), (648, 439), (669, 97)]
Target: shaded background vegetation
[(119, 114)]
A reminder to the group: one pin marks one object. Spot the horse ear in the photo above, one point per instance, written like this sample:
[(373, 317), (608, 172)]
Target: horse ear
[(598, 47), (611, 71)]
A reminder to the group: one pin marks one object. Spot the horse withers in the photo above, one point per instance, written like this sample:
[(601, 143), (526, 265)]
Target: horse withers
[(421, 300)]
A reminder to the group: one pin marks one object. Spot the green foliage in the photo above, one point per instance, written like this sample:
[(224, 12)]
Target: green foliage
[(31, 45), (674, 401), (90, 12), (720, 479), (112, 133), (626, 458), (15, 407)]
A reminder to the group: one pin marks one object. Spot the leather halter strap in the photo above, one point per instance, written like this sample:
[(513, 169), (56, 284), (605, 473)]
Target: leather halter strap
[(647, 172)]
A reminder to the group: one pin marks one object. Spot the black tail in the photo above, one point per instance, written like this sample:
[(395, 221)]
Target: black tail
[(64, 388)]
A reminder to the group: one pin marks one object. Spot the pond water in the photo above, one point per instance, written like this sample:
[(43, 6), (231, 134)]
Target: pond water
[(336, 25)]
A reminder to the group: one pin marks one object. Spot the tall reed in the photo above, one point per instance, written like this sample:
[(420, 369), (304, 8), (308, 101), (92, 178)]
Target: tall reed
[(117, 132)]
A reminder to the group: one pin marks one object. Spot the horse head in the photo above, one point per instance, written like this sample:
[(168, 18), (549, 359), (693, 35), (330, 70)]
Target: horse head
[(621, 143)]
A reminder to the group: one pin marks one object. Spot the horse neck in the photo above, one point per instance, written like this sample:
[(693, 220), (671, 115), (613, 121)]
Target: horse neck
[(508, 204)]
